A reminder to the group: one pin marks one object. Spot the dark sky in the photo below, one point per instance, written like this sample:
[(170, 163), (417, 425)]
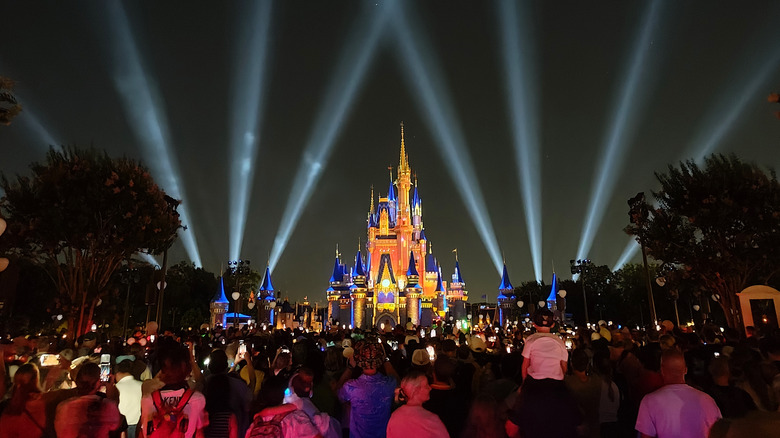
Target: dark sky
[(708, 70)]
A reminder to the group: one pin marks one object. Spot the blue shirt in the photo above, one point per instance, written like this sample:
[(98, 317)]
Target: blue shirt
[(371, 398)]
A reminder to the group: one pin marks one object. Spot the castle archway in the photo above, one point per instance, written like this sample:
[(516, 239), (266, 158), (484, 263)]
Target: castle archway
[(387, 319)]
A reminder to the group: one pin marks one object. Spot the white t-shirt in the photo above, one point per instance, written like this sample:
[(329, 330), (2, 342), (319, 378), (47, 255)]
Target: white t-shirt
[(545, 351), (130, 399), (677, 411), (195, 410), (417, 422)]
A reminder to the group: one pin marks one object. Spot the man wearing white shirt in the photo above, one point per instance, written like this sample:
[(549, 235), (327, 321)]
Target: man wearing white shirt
[(129, 395), (676, 409)]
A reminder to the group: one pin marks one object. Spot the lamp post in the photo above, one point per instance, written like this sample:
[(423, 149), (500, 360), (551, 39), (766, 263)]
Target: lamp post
[(128, 276), (582, 266), (638, 212)]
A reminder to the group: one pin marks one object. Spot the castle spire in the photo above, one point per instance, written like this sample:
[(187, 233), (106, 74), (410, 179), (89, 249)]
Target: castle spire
[(371, 209), (403, 162)]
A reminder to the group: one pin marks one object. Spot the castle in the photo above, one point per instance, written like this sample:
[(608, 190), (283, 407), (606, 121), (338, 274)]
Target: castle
[(400, 280)]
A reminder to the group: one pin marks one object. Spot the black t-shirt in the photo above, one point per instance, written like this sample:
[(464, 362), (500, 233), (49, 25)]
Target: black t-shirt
[(545, 408), (451, 406)]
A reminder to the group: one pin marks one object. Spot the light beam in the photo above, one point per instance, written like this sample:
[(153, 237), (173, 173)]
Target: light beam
[(632, 248), (423, 74), (142, 107), (250, 62), (521, 98), (351, 70), (624, 121), (744, 90)]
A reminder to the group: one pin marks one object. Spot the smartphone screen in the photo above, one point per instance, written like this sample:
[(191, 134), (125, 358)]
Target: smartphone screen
[(105, 367), (431, 352), (50, 360)]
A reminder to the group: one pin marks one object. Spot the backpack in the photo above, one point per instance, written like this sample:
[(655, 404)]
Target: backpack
[(169, 421), (267, 429)]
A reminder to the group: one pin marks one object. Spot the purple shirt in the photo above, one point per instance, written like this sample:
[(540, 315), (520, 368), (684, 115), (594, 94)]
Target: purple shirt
[(371, 398)]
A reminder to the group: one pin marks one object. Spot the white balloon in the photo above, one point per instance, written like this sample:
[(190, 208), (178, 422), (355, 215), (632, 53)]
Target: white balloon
[(520, 304), (272, 304), (696, 307), (542, 304), (3, 264), (2, 225), (562, 293)]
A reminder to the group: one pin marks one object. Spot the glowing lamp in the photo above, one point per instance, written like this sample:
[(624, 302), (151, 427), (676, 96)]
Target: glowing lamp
[(385, 283)]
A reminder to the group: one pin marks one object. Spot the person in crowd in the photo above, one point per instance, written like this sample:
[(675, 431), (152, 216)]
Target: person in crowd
[(90, 414), (449, 405), (129, 395), (545, 357), (25, 413), (370, 395), (412, 419), (676, 410), (274, 414), (609, 402), (237, 395), (299, 393), (544, 407), (586, 389), (733, 402), (188, 405), (484, 419)]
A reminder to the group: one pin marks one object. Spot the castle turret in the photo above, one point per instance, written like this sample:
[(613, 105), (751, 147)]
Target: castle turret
[(506, 297), (413, 291), (266, 299), (219, 306), (358, 292)]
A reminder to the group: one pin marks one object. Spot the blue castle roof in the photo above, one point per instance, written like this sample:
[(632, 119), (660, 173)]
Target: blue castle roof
[(505, 283), (266, 284), (458, 277), (359, 269), (338, 275), (220, 297), (412, 267), (391, 192), (415, 197), (554, 290)]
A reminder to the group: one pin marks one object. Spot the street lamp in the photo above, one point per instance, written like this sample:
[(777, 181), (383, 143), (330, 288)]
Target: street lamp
[(581, 267)]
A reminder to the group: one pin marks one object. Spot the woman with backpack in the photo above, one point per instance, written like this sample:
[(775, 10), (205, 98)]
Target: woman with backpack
[(277, 419)]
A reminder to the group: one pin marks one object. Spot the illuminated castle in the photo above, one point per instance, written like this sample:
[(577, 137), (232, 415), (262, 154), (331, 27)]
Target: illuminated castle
[(400, 280)]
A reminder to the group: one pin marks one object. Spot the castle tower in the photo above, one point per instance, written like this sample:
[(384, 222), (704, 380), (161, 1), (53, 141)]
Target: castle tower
[(506, 297), (457, 295), (218, 306), (358, 291), (413, 290), (265, 298)]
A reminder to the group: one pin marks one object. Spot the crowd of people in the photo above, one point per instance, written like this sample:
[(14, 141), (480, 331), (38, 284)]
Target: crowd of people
[(540, 380)]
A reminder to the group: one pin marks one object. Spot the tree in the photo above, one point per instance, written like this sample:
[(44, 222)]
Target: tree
[(82, 214), (189, 292), (720, 223), (9, 106)]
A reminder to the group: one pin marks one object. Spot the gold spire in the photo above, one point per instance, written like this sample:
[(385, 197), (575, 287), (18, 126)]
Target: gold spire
[(371, 210), (403, 164), (337, 251)]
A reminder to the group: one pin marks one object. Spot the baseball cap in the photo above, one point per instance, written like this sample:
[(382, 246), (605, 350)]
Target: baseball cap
[(543, 318), (421, 358)]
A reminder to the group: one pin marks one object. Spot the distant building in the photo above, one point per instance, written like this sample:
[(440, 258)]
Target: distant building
[(400, 280)]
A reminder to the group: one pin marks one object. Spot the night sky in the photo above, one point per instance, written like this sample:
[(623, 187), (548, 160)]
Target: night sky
[(707, 68)]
